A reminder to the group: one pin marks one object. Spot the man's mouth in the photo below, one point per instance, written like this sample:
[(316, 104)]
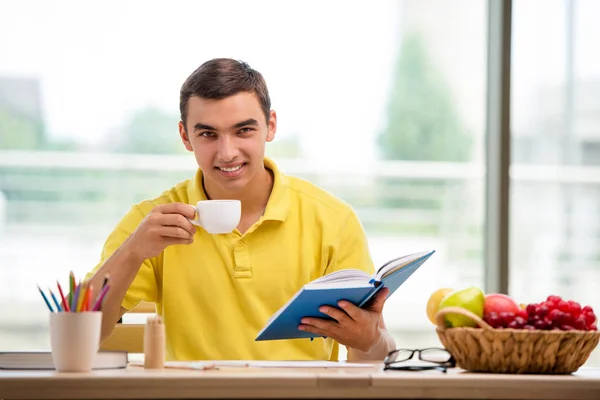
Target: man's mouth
[(231, 169)]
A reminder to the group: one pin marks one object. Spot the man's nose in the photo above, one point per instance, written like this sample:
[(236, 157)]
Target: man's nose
[(227, 148)]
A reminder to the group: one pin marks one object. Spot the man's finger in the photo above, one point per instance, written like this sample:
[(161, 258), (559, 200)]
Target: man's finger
[(178, 220), (320, 323), (350, 309), (186, 210), (339, 315), (175, 232), (317, 331), (169, 241)]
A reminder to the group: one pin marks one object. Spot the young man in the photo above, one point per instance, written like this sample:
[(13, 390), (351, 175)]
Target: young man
[(215, 292)]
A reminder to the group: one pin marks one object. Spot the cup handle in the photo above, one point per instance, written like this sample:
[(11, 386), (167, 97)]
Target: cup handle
[(194, 222)]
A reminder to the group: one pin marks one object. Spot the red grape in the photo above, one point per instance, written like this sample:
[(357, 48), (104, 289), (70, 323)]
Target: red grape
[(574, 308), (579, 323)]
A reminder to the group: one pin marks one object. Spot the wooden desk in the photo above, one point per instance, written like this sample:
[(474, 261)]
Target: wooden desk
[(136, 383)]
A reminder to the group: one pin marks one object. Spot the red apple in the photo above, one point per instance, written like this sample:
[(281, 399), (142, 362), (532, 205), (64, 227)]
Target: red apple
[(499, 302)]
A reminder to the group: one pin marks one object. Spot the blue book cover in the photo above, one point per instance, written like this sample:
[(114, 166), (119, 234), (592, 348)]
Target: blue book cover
[(351, 285)]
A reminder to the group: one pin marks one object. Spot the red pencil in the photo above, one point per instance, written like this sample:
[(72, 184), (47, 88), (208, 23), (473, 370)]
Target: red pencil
[(62, 296)]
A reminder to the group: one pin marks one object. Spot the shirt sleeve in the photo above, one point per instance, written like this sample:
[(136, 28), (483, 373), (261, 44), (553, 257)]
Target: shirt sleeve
[(352, 249), (144, 286)]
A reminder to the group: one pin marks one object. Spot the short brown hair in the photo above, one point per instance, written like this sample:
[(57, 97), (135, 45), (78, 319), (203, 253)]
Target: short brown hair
[(220, 78)]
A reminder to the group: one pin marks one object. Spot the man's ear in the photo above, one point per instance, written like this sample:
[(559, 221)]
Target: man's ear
[(272, 126), (184, 137)]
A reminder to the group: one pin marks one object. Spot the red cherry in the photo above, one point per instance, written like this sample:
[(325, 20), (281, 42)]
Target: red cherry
[(592, 328), (587, 309), (542, 310), (531, 309), (551, 305)]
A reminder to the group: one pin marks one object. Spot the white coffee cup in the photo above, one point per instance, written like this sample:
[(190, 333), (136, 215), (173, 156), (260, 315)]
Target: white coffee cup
[(75, 340), (218, 216)]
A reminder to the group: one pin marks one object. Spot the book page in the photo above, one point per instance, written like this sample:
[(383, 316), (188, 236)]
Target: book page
[(343, 278), (397, 263)]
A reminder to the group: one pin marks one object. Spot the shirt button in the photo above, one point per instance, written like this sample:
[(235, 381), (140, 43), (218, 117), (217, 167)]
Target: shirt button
[(240, 244)]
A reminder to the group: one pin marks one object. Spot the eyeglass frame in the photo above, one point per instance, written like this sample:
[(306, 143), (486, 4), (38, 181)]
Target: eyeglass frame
[(440, 365)]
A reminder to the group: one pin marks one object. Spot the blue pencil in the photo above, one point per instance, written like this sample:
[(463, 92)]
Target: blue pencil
[(46, 300), (58, 307)]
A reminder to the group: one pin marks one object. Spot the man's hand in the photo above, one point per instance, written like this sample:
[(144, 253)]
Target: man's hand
[(165, 225), (352, 326)]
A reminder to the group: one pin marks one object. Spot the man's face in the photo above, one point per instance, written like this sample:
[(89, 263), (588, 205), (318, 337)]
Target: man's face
[(228, 139)]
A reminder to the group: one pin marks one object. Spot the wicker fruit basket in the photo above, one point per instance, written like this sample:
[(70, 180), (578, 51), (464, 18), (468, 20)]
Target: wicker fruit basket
[(516, 351)]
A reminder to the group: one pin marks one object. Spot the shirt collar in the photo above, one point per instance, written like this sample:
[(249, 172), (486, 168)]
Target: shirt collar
[(278, 206)]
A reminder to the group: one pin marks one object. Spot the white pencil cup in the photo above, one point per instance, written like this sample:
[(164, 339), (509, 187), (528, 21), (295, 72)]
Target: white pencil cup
[(75, 340)]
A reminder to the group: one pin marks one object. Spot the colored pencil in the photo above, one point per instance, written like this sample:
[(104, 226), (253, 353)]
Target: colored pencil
[(105, 280), (58, 307), (75, 298), (98, 303), (62, 296), (46, 299), (88, 300), (81, 296), (71, 289)]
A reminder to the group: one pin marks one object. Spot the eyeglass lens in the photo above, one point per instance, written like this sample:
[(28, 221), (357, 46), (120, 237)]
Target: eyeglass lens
[(435, 355)]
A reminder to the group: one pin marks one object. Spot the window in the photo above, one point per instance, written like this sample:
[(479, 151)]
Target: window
[(384, 106), (555, 175)]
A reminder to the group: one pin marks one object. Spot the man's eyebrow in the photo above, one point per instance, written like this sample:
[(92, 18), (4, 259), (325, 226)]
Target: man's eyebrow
[(199, 127), (249, 121)]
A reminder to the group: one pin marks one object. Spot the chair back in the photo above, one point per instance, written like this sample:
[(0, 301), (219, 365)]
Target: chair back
[(129, 337)]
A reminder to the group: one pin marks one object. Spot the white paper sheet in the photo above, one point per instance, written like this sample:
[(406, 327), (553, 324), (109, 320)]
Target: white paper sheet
[(264, 364)]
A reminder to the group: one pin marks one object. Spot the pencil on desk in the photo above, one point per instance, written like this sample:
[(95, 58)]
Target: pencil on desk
[(45, 299), (58, 307), (62, 296)]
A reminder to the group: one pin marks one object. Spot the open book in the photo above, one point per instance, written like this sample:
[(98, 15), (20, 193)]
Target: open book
[(352, 285)]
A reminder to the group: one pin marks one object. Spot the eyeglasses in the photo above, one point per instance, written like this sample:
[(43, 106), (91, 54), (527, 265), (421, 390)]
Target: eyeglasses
[(439, 357)]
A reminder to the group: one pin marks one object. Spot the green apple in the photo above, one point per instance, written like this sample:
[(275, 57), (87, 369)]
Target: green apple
[(471, 298)]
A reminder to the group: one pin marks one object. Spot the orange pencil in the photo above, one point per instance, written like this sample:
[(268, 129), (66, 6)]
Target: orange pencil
[(88, 299), (82, 295)]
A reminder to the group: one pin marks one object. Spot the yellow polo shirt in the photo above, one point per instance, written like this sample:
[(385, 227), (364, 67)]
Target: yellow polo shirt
[(216, 294)]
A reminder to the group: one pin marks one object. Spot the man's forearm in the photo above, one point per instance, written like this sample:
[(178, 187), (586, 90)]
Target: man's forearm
[(384, 345), (122, 267)]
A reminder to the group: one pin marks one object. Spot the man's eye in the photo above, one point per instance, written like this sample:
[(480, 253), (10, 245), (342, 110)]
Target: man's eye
[(207, 134), (245, 130)]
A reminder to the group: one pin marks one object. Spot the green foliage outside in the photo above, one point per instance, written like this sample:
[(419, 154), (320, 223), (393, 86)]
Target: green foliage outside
[(423, 125), (423, 122)]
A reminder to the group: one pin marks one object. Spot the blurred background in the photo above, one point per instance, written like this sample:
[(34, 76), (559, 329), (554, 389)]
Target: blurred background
[(382, 103)]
